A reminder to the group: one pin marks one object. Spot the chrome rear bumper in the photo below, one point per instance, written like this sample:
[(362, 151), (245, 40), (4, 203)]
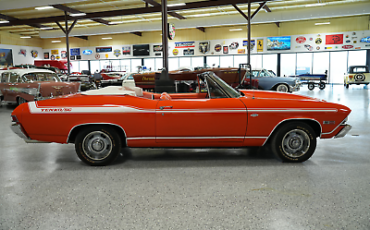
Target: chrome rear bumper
[(16, 128), (344, 131)]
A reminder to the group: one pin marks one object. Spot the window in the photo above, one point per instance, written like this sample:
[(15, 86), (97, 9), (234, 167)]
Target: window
[(173, 64), (149, 63), (185, 62), (226, 61), (13, 77), (360, 69), (338, 66), (255, 73), (94, 66), (288, 63), (320, 63), (304, 63), (213, 61), (135, 64), (126, 65), (158, 64), (256, 61), (197, 62), (270, 62), (130, 77), (357, 57), (4, 77), (214, 90), (84, 65), (239, 59), (115, 65), (75, 66)]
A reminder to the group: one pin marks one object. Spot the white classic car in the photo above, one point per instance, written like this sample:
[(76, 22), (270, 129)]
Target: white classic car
[(357, 75)]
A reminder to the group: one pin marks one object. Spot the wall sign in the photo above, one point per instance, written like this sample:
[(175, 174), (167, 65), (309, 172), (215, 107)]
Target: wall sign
[(22, 52), (234, 45), (126, 50), (188, 52), (278, 43), (75, 52), (157, 48), (218, 47), (260, 45), (103, 49), (34, 53), (204, 47), (318, 41), (226, 50), (300, 40), (241, 51), (46, 55), (334, 39), (365, 39), (54, 52), (171, 31), (253, 43), (117, 53), (175, 52), (6, 57), (184, 44), (97, 56), (87, 52), (347, 47), (63, 54)]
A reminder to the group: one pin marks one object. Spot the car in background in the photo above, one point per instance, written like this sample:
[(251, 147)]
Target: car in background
[(22, 85), (358, 74), (122, 79), (269, 81), (101, 122), (86, 82)]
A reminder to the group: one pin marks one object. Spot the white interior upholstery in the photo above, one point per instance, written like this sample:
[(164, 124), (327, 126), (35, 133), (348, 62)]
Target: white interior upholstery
[(113, 90), (138, 91)]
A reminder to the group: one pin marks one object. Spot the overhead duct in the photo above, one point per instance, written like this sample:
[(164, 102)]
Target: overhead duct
[(278, 16)]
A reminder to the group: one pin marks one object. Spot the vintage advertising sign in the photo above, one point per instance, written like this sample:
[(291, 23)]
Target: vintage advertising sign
[(87, 52), (175, 52), (318, 41), (218, 47), (6, 57), (184, 44), (54, 52), (103, 49), (117, 53), (97, 56), (46, 55), (234, 45), (365, 39), (260, 45), (188, 52), (347, 47), (300, 40), (75, 52), (171, 31), (63, 54), (204, 47), (334, 39), (241, 51), (34, 53), (22, 52), (253, 43), (226, 49), (157, 48), (126, 50)]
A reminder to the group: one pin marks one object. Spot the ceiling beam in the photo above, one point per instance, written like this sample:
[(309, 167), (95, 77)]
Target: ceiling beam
[(258, 9), (277, 24), (173, 14), (240, 11), (137, 33), (11, 19), (125, 12), (74, 11), (255, 12), (201, 29), (266, 8)]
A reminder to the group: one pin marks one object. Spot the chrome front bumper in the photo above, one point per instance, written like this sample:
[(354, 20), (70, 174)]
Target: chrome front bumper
[(16, 128), (344, 131)]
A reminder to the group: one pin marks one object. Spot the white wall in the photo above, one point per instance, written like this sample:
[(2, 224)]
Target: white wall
[(21, 59)]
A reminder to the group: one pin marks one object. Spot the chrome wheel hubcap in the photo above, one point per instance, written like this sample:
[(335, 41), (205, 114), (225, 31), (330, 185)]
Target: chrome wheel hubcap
[(97, 145), (282, 88), (296, 143)]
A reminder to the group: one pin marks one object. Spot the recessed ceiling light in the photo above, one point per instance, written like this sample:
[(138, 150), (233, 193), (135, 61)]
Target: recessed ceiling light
[(47, 28), (235, 29), (107, 38), (77, 14), (56, 41), (44, 7), (322, 23), (26, 37), (176, 4), (4, 21)]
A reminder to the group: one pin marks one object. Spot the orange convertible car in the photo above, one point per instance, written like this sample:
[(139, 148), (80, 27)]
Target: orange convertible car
[(100, 122)]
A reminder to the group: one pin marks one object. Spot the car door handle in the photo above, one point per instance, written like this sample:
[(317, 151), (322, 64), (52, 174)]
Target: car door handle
[(165, 107)]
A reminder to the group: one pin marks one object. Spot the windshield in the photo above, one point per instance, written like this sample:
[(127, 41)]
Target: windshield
[(31, 77), (227, 88), (75, 78)]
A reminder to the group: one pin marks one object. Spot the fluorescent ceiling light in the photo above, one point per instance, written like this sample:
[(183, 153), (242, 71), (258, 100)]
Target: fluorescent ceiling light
[(200, 15), (107, 38), (4, 21), (77, 14), (176, 4), (26, 37), (44, 7), (316, 4), (55, 41), (235, 29), (322, 23), (113, 23), (47, 28)]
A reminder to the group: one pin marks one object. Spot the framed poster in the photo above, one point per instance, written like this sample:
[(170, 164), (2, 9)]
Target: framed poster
[(46, 55), (226, 49)]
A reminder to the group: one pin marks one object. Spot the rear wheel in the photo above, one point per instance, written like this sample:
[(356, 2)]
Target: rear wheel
[(322, 85), (294, 142), (98, 145), (347, 86)]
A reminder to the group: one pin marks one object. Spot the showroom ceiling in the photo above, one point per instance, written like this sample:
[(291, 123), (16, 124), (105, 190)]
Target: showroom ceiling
[(31, 20)]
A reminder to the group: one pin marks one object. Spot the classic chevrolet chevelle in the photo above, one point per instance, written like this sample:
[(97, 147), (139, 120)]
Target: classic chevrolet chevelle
[(100, 122)]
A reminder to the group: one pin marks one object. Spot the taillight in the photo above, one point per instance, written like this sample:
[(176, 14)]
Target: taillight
[(15, 119), (350, 76)]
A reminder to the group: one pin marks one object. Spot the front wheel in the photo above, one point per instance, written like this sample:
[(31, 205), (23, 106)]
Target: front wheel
[(311, 86), (282, 88), (98, 145), (294, 142)]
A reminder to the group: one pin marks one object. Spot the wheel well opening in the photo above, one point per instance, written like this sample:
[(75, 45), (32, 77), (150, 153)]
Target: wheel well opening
[(76, 130), (313, 124), (275, 86)]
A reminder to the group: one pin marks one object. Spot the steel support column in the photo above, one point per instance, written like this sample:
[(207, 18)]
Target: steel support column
[(164, 35), (67, 42)]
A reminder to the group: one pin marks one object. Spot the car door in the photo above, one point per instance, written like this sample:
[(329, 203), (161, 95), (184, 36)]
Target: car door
[(7, 87), (201, 121)]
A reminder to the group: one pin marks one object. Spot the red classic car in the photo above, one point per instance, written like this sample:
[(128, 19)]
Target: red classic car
[(101, 122), (22, 85)]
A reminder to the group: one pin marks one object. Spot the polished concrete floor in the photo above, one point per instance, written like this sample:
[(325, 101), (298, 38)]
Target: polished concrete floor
[(45, 186)]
